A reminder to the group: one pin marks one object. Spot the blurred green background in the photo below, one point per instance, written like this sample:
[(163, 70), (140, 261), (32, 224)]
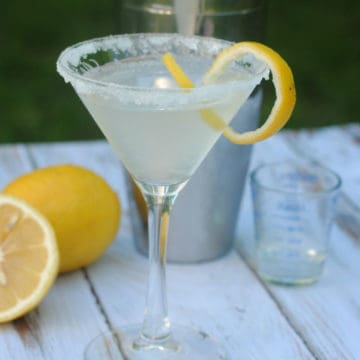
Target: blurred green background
[(318, 39)]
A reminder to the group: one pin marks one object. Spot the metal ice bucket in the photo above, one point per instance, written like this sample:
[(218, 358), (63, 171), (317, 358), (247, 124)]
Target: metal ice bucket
[(205, 213)]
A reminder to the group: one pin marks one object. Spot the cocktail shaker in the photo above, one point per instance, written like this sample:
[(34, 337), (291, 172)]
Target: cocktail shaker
[(203, 220)]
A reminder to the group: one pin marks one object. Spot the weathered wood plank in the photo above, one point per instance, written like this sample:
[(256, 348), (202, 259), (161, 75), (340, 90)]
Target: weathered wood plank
[(222, 297), (325, 314), (335, 147), (64, 323), (14, 161)]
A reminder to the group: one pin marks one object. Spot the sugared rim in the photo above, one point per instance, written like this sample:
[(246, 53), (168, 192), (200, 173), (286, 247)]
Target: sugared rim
[(73, 55)]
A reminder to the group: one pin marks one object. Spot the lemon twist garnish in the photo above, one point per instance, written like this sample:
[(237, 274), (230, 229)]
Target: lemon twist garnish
[(176, 71), (208, 115), (282, 79)]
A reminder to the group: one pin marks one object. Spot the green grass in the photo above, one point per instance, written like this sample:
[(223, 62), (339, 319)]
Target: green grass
[(36, 104), (319, 42)]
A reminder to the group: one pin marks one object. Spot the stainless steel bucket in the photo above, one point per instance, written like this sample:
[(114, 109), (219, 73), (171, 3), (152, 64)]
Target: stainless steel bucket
[(203, 220)]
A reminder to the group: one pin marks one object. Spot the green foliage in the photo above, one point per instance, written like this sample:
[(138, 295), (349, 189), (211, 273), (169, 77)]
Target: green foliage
[(319, 40), (35, 103)]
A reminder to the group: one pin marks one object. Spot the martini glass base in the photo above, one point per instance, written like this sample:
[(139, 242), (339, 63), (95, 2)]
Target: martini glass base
[(184, 344)]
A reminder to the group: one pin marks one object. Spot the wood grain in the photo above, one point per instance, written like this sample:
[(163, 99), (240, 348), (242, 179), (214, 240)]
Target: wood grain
[(225, 297), (221, 297), (326, 315)]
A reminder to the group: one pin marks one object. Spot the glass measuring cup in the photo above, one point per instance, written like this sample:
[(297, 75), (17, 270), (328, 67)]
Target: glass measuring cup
[(294, 206)]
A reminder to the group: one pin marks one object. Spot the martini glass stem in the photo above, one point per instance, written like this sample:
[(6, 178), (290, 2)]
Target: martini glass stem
[(156, 329)]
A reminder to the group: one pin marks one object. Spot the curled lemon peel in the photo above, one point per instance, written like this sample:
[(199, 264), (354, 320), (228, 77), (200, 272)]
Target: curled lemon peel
[(208, 115), (282, 79), (176, 71)]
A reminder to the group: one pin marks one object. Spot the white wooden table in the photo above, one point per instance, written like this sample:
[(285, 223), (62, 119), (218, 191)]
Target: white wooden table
[(225, 297)]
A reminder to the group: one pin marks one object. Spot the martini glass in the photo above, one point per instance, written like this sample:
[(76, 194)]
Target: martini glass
[(159, 134)]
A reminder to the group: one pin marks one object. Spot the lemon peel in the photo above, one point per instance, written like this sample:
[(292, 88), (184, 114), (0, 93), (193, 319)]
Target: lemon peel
[(282, 79), (208, 115), (176, 71)]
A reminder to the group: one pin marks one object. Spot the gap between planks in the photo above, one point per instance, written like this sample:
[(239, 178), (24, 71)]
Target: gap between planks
[(104, 314), (281, 309)]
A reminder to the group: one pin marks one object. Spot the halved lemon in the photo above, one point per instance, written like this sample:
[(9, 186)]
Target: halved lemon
[(282, 79), (28, 257)]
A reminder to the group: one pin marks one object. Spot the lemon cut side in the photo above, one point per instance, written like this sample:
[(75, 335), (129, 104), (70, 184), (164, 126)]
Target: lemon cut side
[(29, 258), (282, 79)]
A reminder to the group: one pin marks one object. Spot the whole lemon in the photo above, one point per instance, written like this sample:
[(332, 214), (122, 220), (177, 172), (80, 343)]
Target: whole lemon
[(82, 208)]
